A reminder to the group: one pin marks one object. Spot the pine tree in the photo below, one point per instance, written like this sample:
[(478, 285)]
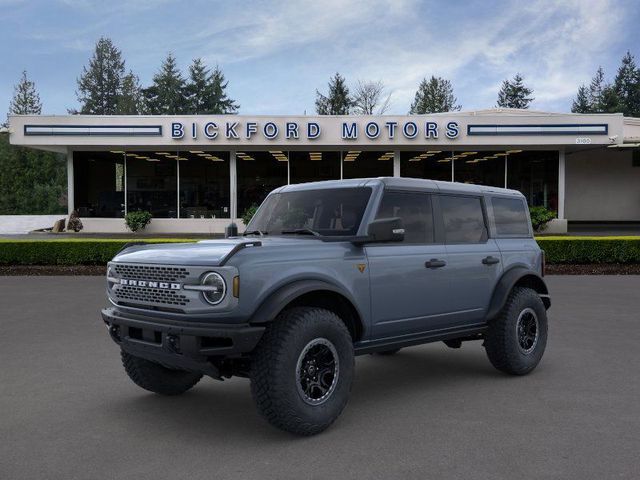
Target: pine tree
[(130, 101), (627, 86), (221, 102), (514, 93), (596, 88), (26, 100), (166, 96), (581, 104), (337, 101), (434, 95), (206, 92), (99, 85)]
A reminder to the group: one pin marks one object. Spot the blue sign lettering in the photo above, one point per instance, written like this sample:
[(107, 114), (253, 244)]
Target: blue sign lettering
[(349, 131), (453, 130), (431, 130), (230, 130), (252, 127), (292, 130), (391, 127), (177, 130), (270, 130), (313, 130), (372, 130), (210, 130), (410, 130)]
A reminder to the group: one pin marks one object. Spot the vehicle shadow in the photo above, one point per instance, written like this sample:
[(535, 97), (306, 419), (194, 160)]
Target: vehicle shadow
[(226, 409)]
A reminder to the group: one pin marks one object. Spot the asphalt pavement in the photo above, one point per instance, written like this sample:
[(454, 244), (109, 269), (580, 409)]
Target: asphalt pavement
[(68, 411)]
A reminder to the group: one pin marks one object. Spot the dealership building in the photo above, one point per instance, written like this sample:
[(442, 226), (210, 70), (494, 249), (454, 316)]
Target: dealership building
[(197, 173)]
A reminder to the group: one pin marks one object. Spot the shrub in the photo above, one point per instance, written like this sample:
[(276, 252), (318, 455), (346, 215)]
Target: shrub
[(137, 220), (72, 251), (540, 216), (249, 213), (74, 222), (582, 250)]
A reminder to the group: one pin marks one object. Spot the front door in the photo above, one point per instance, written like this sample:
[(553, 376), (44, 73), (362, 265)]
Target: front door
[(408, 279)]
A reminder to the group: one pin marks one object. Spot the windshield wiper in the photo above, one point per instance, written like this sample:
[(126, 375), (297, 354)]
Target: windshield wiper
[(301, 231), (254, 232)]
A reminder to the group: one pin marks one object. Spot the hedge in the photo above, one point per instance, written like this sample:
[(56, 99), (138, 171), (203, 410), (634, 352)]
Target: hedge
[(78, 251), (73, 251), (583, 250)]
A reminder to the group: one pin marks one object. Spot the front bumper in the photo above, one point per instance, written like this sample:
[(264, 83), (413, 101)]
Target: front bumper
[(179, 344)]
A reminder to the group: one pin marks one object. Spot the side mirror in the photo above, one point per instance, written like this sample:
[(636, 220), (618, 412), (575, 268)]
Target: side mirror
[(386, 230)]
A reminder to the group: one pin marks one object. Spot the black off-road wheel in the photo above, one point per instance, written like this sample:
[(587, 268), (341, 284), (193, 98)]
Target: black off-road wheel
[(302, 370), (516, 339), (156, 378)]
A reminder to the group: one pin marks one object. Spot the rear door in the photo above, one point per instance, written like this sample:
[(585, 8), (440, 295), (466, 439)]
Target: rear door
[(408, 279), (475, 263)]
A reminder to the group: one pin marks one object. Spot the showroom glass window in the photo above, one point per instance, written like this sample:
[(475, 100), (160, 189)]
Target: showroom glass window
[(204, 184), (429, 164), (259, 173), (365, 164), (535, 174), (152, 183), (99, 184), (314, 166)]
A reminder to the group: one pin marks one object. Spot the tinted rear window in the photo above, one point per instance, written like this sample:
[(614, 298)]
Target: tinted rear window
[(463, 219), (510, 216)]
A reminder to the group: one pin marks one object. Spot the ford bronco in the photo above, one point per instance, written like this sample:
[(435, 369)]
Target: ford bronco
[(324, 272)]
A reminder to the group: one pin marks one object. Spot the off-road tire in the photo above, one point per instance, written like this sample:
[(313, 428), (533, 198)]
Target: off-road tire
[(502, 341), (386, 353), (156, 378), (275, 375)]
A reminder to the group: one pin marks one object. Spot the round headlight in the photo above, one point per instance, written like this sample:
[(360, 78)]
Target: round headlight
[(216, 288)]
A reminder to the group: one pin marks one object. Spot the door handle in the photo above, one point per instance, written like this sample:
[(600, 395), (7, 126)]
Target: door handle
[(435, 263), (490, 260)]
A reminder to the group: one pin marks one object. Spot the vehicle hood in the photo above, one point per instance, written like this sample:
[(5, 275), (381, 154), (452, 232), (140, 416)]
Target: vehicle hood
[(204, 253)]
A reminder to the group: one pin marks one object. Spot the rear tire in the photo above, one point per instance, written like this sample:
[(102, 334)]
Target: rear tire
[(302, 370), (156, 378), (516, 339)]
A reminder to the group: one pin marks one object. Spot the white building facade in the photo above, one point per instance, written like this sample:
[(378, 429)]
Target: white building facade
[(195, 174)]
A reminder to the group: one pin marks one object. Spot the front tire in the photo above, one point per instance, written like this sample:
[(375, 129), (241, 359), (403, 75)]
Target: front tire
[(516, 339), (302, 370), (156, 378)]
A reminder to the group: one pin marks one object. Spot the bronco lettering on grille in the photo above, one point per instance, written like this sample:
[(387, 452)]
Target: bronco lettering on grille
[(150, 284)]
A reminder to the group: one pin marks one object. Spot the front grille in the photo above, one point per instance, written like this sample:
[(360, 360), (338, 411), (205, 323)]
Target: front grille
[(150, 295), (134, 294), (150, 272)]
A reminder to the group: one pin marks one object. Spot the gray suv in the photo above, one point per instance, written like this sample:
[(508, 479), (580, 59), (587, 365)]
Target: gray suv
[(324, 272)]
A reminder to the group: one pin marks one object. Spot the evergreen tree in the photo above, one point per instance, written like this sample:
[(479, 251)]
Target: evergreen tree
[(434, 95), (130, 100), (26, 100), (167, 96), (596, 88), (206, 92), (627, 86), (222, 103), (337, 101), (514, 93), (581, 103), (100, 84)]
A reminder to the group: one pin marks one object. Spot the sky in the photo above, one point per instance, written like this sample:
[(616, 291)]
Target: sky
[(275, 54)]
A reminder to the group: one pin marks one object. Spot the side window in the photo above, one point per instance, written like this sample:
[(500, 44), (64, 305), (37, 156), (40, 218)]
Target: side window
[(510, 216), (463, 219), (415, 211)]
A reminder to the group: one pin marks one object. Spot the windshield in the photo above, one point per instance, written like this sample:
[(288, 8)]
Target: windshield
[(326, 212)]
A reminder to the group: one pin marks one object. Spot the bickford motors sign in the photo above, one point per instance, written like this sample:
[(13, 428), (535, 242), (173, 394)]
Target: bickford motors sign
[(290, 130)]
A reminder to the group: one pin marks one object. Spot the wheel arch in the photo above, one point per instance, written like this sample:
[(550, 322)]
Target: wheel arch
[(517, 277), (312, 293)]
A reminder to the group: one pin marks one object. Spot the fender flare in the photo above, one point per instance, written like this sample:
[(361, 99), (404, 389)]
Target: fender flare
[(280, 298), (509, 280)]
